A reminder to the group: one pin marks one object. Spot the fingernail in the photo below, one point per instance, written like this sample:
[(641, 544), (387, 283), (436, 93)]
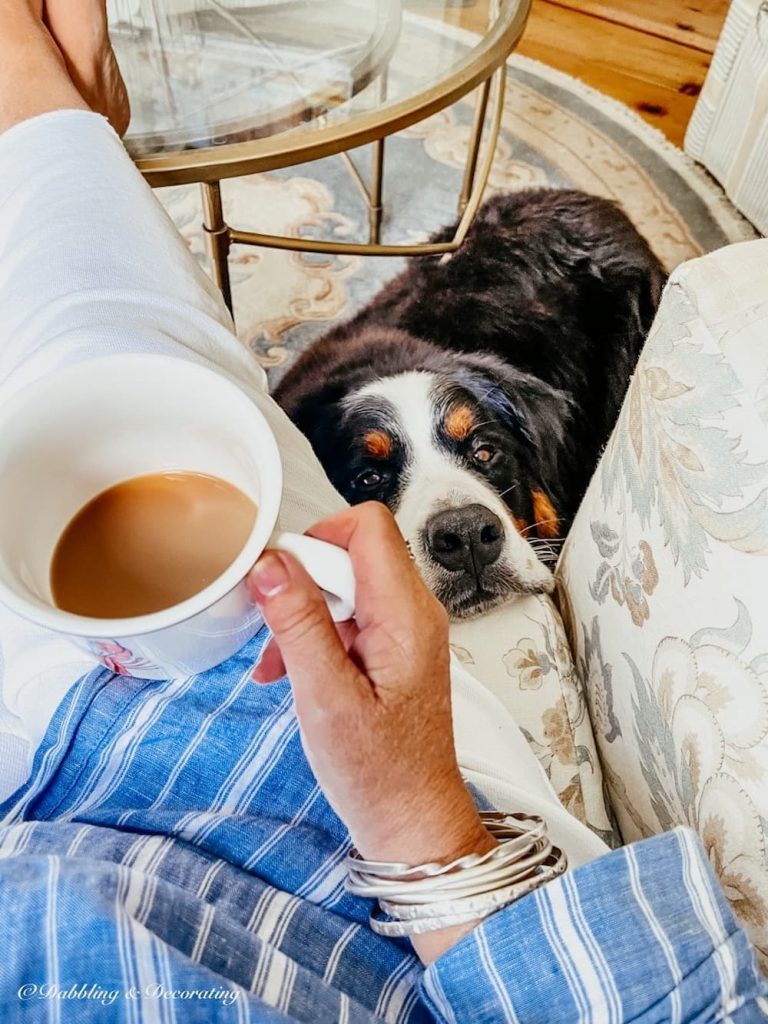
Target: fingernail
[(255, 678), (269, 576)]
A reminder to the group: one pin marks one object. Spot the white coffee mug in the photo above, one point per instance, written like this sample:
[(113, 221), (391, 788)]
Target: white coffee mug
[(83, 429)]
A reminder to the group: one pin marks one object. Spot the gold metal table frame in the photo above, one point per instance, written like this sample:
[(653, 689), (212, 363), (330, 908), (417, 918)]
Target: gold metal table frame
[(484, 70)]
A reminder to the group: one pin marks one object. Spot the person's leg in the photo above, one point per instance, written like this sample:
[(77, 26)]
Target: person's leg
[(79, 28), (33, 74), (90, 264), (88, 259)]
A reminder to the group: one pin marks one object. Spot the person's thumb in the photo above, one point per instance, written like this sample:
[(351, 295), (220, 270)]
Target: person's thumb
[(298, 617)]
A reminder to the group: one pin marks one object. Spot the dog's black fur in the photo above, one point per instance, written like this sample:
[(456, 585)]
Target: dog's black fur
[(540, 317)]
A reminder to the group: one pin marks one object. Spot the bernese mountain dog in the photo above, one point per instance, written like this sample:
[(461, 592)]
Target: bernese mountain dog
[(473, 395)]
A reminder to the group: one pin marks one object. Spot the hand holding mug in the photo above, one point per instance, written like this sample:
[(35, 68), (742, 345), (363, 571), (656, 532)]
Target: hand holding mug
[(373, 698)]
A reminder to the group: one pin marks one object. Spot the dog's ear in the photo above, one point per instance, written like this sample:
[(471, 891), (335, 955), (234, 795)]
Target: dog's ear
[(317, 413), (536, 412)]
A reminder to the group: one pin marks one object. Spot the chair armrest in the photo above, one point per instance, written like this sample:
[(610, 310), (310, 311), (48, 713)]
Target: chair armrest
[(664, 577)]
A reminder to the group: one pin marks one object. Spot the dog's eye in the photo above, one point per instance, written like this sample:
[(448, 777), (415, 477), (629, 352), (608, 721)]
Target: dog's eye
[(484, 453), (368, 480)]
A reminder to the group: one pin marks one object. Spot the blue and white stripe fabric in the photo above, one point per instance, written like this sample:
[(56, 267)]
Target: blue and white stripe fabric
[(172, 839), (171, 859), (643, 934)]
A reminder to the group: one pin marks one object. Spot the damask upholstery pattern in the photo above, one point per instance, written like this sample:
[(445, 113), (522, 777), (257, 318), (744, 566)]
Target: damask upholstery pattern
[(664, 579), (520, 653)]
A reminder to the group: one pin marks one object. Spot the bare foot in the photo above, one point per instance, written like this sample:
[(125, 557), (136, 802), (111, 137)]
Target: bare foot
[(79, 28)]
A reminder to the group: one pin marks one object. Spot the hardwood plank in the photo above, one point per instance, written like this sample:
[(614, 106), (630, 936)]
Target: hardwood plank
[(694, 23), (657, 78), (634, 57)]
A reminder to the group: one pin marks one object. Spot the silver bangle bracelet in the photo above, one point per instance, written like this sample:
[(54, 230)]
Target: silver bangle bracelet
[(427, 897), (460, 881), (494, 822), (448, 914)]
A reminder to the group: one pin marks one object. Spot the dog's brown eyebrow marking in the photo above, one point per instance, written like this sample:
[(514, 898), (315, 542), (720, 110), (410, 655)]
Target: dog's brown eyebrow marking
[(459, 422), (544, 515), (379, 444)]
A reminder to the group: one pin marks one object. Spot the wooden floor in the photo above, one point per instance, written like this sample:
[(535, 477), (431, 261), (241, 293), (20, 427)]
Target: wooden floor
[(652, 55)]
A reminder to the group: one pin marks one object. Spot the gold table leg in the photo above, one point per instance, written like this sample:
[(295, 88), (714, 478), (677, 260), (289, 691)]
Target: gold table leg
[(375, 197), (473, 153), (373, 194), (479, 178), (218, 239), (220, 236), (375, 203)]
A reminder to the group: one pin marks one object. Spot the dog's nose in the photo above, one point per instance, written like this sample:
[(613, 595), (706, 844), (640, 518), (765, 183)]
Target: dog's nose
[(467, 538)]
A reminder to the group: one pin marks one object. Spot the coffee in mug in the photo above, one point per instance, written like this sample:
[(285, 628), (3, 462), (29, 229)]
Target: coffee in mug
[(149, 543)]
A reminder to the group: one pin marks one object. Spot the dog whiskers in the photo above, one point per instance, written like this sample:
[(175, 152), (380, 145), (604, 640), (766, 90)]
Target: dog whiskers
[(547, 555), (538, 544), (542, 522), (549, 547), (509, 490)]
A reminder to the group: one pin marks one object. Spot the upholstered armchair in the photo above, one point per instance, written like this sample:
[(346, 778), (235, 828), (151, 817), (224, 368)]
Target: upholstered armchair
[(654, 711)]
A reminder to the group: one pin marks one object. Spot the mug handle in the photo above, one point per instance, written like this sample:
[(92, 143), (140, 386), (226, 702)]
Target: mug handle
[(328, 565)]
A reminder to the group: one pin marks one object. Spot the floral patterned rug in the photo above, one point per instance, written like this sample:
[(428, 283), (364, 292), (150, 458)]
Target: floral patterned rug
[(556, 131)]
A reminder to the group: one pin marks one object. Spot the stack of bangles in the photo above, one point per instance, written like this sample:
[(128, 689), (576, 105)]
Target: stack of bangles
[(424, 898)]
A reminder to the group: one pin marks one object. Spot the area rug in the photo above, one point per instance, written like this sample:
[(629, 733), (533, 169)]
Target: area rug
[(556, 132)]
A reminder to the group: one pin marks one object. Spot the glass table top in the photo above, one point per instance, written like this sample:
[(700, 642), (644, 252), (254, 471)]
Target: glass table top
[(212, 73)]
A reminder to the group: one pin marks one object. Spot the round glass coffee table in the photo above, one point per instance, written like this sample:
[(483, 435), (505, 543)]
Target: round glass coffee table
[(223, 88)]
